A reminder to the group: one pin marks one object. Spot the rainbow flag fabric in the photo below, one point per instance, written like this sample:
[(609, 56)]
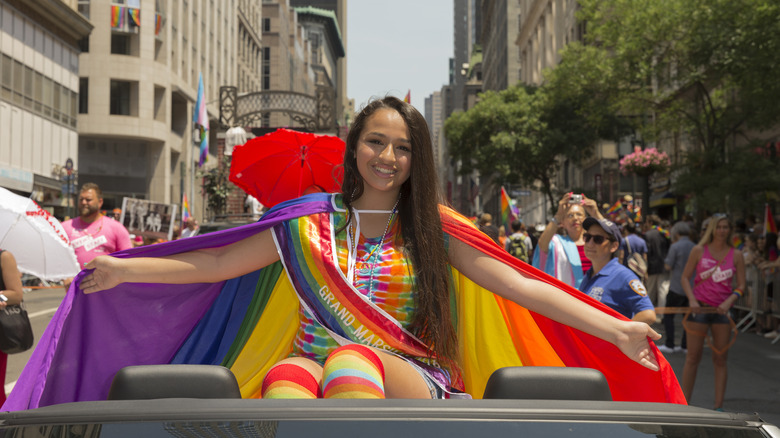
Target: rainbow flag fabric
[(185, 210), (135, 16), (117, 17), (508, 211), (616, 207), (408, 97), (228, 323), (769, 221)]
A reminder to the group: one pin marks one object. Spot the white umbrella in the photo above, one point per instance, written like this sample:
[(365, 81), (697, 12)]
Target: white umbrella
[(35, 238)]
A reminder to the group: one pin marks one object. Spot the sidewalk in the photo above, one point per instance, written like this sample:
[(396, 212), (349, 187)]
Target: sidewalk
[(753, 380)]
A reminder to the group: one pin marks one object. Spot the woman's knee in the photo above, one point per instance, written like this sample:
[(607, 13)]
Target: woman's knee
[(353, 371), (293, 378)]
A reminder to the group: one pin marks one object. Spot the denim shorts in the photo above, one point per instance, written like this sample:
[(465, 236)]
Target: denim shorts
[(708, 318)]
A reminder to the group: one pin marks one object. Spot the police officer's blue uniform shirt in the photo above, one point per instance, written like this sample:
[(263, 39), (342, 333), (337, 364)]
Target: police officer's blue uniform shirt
[(617, 287)]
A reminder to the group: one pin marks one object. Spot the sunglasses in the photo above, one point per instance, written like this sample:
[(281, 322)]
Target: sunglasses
[(598, 240)]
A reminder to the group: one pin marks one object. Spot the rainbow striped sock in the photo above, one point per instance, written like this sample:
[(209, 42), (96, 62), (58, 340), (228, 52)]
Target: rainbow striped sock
[(353, 371), (290, 381)]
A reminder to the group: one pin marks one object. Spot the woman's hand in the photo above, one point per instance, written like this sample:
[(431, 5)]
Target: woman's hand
[(104, 276), (695, 306), (563, 208), (632, 341), (591, 207)]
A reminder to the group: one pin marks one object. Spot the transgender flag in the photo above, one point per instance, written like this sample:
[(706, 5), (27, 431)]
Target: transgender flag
[(508, 211), (201, 119)]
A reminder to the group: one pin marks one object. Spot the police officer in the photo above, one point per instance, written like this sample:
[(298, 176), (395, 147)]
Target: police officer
[(609, 281)]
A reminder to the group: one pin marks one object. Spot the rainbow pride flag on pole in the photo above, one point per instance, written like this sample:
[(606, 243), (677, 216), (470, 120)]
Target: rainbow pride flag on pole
[(769, 221), (508, 211), (201, 119), (408, 98), (185, 210)]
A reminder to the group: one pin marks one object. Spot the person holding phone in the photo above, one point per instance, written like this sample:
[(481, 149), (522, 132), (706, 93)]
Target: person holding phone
[(563, 256)]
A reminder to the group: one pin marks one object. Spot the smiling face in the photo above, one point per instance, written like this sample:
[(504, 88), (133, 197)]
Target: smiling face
[(89, 205), (384, 154)]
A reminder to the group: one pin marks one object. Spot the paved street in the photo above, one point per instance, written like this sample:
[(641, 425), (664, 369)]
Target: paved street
[(754, 364)]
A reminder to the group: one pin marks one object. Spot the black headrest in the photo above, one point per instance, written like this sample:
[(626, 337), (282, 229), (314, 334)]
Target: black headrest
[(547, 383), (173, 381)]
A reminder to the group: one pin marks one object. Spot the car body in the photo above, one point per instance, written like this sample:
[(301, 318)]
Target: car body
[(180, 400)]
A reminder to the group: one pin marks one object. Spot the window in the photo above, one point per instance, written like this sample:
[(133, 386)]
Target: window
[(5, 77), (84, 44), (83, 95), (266, 68), (266, 24), (120, 98), (120, 44)]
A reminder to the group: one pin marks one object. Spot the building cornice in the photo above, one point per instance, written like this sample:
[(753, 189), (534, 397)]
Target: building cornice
[(328, 18), (59, 15)]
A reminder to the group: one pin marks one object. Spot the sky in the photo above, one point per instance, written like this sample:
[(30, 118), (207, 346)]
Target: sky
[(396, 46)]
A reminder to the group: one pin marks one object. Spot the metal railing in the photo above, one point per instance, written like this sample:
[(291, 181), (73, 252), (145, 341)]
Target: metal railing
[(756, 300)]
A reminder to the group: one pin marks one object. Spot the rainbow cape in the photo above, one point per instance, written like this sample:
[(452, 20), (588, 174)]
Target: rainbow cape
[(248, 323)]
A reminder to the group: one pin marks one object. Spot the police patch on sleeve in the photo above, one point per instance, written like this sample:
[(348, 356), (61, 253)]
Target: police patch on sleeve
[(638, 287)]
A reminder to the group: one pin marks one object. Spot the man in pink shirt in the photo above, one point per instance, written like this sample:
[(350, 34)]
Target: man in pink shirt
[(92, 234)]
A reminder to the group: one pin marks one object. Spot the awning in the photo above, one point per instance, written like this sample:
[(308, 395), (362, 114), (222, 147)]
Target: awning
[(665, 198)]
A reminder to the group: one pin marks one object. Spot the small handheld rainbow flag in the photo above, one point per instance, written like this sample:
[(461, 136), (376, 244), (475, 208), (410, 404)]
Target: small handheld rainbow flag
[(185, 210), (616, 207), (408, 98), (508, 211), (769, 221)]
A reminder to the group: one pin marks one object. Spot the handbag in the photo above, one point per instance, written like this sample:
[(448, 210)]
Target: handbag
[(16, 333), (636, 263)]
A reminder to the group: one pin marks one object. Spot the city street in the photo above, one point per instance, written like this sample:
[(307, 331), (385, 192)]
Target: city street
[(753, 385)]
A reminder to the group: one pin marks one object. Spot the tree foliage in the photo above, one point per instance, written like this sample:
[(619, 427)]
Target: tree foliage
[(704, 71), (216, 186), (516, 135)]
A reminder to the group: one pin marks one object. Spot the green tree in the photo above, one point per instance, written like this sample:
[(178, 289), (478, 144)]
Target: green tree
[(517, 135), (216, 186), (696, 71)]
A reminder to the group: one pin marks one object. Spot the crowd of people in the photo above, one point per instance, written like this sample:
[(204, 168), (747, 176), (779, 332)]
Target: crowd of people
[(635, 268)]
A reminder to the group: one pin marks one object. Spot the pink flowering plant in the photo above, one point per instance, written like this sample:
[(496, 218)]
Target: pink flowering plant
[(645, 162)]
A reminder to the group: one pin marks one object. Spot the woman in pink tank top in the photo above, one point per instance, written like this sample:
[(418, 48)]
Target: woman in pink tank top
[(715, 268)]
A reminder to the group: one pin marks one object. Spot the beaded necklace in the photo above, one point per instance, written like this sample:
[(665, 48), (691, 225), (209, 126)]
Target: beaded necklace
[(85, 230), (352, 243)]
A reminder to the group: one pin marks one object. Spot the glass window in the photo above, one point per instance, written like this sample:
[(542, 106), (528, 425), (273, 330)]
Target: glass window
[(18, 82), (38, 91), (48, 86), (56, 101), (120, 98), (120, 44)]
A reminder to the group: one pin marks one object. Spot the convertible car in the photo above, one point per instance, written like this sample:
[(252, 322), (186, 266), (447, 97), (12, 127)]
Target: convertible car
[(204, 401)]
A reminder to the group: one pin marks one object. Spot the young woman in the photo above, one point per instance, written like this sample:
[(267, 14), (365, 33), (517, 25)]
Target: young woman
[(714, 265), (372, 270)]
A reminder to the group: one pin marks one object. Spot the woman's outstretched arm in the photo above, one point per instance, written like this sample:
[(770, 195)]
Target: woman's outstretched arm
[(199, 266), (629, 336)]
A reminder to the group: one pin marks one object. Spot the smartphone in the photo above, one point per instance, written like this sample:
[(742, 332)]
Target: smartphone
[(3, 298), (575, 199)]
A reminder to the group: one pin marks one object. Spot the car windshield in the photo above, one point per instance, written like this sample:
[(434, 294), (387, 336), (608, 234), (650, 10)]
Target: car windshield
[(381, 429)]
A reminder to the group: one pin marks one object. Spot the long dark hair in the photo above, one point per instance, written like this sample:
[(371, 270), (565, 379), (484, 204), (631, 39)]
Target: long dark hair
[(418, 210)]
